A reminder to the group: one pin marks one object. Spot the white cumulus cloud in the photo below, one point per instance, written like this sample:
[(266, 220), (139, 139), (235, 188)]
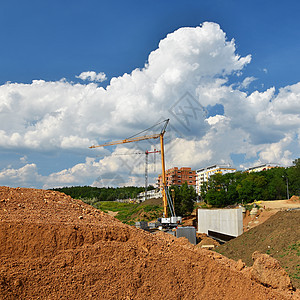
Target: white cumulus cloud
[(92, 76), (25, 176), (185, 78)]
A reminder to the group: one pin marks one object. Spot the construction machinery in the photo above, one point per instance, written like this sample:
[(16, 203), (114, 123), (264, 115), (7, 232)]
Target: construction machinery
[(146, 164), (167, 201)]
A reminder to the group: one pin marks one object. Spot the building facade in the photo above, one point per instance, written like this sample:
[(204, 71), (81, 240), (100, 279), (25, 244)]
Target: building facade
[(178, 177), (202, 175), (263, 167), (152, 194)]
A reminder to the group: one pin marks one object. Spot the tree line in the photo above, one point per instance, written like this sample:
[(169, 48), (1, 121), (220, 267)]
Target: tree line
[(219, 191), (103, 193), (242, 187), (184, 196)]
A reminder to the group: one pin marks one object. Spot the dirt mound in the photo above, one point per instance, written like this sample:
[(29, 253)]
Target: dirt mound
[(55, 247), (267, 270), (294, 199), (208, 241), (251, 221), (189, 221), (153, 201), (279, 236), (279, 204)]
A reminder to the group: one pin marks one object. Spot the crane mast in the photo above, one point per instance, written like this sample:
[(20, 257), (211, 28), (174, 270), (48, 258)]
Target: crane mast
[(162, 152)]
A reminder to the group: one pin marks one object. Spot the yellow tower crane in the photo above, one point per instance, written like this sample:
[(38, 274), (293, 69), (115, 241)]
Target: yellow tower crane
[(147, 137)]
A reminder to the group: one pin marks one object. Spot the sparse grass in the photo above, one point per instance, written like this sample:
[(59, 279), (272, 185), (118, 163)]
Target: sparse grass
[(289, 253), (202, 205), (128, 212), (125, 210), (295, 247)]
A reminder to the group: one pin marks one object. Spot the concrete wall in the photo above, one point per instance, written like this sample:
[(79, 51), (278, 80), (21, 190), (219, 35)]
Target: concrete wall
[(226, 221), (188, 232)]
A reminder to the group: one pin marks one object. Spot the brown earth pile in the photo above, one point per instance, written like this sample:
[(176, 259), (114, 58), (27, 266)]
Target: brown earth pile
[(268, 271), (294, 199), (55, 247), (251, 221), (208, 241)]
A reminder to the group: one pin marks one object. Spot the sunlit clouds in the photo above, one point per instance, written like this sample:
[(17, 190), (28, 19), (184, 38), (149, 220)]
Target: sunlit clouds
[(183, 79)]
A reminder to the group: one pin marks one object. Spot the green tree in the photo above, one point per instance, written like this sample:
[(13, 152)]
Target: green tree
[(101, 194), (216, 198), (185, 197), (293, 175), (243, 187), (231, 187), (217, 187), (246, 189)]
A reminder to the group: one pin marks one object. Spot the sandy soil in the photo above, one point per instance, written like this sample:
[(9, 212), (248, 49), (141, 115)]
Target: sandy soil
[(268, 209), (55, 247), (279, 204), (112, 213)]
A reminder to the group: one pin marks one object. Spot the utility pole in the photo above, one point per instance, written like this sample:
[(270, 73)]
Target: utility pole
[(146, 174), (287, 187)]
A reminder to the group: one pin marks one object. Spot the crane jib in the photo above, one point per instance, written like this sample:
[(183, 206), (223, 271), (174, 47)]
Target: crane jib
[(135, 139)]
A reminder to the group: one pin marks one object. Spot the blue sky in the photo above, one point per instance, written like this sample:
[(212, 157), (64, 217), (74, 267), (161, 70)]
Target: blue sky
[(55, 40)]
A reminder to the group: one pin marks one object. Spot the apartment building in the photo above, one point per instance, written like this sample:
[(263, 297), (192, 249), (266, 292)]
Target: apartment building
[(262, 167), (202, 175), (152, 194), (178, 177)]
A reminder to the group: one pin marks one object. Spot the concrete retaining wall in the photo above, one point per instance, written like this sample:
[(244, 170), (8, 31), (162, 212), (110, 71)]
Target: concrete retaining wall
[(226, 221)]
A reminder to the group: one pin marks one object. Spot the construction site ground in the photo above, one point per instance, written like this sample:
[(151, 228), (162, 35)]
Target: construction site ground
[(266, 209), (55, 247), (275, 230)]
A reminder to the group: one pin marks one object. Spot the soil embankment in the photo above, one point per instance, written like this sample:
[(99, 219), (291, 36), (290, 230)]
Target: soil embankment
[(268, 209), (55, 247), (278, 236)]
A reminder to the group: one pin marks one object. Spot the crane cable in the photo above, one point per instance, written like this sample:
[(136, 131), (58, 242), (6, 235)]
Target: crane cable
[(147, 129)]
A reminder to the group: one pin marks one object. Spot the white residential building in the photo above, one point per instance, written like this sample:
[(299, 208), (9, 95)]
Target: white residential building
[(263, 167), (202, 175), (150, 195)]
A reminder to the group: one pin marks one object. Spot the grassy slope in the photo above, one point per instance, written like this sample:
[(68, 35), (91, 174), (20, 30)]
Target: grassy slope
[(131, 212)]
